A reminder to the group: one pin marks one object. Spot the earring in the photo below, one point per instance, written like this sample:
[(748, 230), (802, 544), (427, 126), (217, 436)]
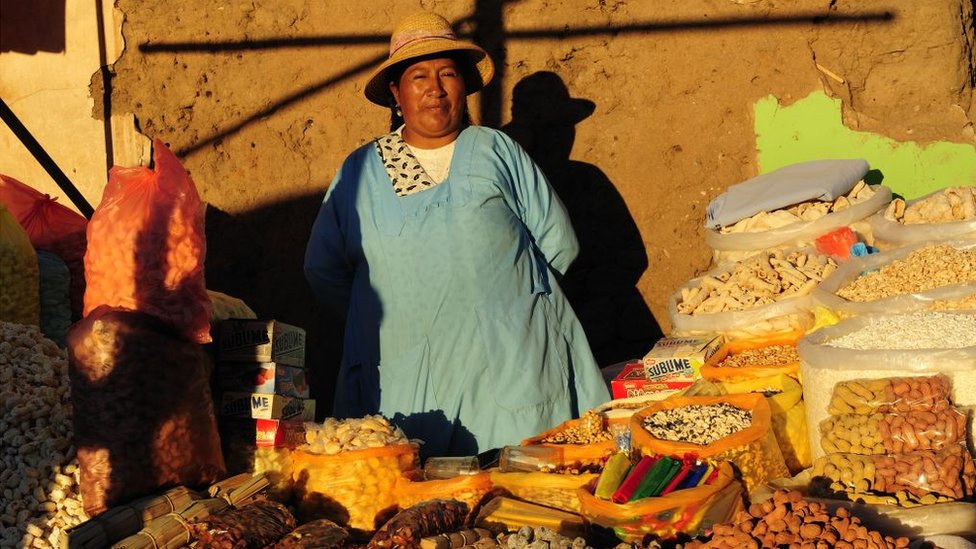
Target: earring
[(397, 111)]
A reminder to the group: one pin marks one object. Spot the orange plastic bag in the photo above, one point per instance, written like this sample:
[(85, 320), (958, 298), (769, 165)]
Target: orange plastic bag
[(411, 489), (753, 450), (690, 511), (354, 488), (52, 227), (579, 454), (147, 246), (713, 370), (19, 274), (550, 489)]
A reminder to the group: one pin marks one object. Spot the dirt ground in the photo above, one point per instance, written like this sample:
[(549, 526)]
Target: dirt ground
[(639, 112)]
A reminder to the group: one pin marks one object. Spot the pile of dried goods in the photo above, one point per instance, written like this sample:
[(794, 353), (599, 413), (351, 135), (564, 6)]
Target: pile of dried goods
[(698, 423), (333, 435), (926, 268), (774, 355), (804, 211), (38, 469), (591, 428), (952, 204), (912, 331)]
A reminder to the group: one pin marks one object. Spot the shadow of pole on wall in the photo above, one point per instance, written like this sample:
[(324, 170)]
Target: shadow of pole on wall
[(602, 282)]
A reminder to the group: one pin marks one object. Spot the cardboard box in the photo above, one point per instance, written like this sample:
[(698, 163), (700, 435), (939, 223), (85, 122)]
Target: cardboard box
[(265, 406), (261, 341), (679, 358), (631, 381), (262, 377), (264, 433)]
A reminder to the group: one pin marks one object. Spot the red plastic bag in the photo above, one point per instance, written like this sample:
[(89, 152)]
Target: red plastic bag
[(147, 246), (52, 227)]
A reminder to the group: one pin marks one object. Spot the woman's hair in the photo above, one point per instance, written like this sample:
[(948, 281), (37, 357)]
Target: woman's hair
[(394, 73)]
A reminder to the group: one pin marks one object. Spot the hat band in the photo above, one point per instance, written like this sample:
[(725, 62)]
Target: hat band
[(408, 37)]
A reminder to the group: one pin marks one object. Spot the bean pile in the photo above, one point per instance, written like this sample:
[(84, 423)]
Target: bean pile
[(590, 429), (930, 267), (914, 475), (890, 394), (773, 355), (38, 469), (932, 330), (762, 279), (698, 423), (541, 538), (333, 435), (892, 433), (787, 520)]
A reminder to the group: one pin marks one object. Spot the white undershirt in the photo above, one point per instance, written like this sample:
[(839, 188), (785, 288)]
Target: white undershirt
[(436, 162)]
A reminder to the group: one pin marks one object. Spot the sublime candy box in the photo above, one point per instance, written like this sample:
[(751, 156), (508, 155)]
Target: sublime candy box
[(679, 358), (261, 341), (631, 382), (262, 377)]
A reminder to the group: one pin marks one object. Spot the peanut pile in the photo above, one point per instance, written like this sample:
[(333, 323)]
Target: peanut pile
[(890, 394), (892, 433), (926, 268), (38, 468), (787, 520), (952, 204), (698, 423), (774, 355), (762, 279), (333, 435), (804, 211), (590, 429)]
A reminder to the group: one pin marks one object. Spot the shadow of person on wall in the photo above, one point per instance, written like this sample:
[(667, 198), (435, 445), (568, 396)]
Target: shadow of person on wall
[(601, 284)]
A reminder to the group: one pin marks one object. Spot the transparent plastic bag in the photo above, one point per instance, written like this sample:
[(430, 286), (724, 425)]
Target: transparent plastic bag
[(578, 455), (550, 489), (733, 247), (354, 488), (889, 234), (826, 293), (690, 511), (890, 394), (19, 275), (225, 307), (412, 489), (877, 433), (753, 450)]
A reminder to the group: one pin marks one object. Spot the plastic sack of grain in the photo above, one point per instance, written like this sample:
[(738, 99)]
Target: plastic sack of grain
[(143, 411), (936, 275), (766, 294), (19, 277), (943, 214), (52, 227), (55, 300), (729, 247), (147, 246), (885, 346)]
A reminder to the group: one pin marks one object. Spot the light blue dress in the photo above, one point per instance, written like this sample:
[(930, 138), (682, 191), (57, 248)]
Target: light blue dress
[(456, 327)]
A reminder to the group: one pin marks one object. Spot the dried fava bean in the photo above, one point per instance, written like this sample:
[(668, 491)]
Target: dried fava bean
[(926, 268), (39, 488), (932, 330), (890, 394), (773, 355), (787, 520), (893, 433), (698, 423)]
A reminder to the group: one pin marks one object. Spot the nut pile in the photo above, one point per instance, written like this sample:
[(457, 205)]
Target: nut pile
[(698, 423), (926, 268), (911, 475), (38, 469), (333, 435), (912, 331), (890, 394), (762, 279), (590, 429), (892, 433), (19, 277), (773, 355), (952, 204), (787, 520), (541, 538), (804, 211)]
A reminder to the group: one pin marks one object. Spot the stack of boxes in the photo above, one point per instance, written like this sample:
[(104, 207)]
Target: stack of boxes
[(672, 365), (262, 389)]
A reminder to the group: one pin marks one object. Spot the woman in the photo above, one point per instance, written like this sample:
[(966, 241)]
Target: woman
[(442, 243)]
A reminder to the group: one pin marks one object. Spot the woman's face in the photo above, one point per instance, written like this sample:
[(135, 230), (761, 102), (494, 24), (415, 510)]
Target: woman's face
[(431, 95)]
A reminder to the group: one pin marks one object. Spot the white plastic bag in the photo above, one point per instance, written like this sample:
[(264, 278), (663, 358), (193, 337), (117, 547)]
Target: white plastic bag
[(823, 366), (826, 293), (890, 234), (736, 246)]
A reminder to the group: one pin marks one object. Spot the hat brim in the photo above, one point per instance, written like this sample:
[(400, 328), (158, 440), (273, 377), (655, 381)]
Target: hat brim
[(377, 88)]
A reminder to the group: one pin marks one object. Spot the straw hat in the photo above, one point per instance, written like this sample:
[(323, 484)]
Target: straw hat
[(423, 34)]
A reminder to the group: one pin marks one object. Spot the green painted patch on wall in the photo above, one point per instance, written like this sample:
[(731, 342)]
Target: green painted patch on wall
[(811, 129)]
